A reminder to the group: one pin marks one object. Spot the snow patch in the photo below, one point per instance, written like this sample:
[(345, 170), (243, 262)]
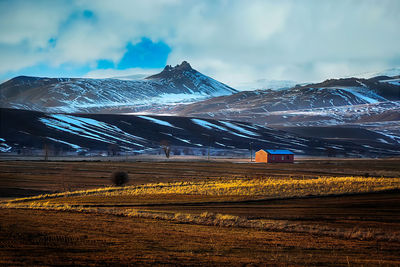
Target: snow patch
[(238, 128), (3, 146), (63, 142), (157, 121), (91, 129), (383, 141), (208, 125), (392, 81), (183, 140), (361, 96), (220, 144)]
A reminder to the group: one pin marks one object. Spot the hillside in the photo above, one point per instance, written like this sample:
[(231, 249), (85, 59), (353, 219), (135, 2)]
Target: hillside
[(179, 84), (99, 133), (373, 104), (328, 94)]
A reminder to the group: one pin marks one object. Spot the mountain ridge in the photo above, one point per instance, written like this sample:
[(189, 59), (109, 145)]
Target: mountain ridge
[(93, 95), (327, 94)]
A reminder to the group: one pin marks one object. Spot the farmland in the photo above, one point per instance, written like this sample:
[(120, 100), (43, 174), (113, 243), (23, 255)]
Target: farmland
[(24, 178), (313, 212)]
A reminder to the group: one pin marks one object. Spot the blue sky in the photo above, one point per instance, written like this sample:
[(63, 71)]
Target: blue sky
[(144, 54), (233, 41)]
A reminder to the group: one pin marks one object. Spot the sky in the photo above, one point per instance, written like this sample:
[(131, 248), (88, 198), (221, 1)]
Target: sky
[(235, 42)]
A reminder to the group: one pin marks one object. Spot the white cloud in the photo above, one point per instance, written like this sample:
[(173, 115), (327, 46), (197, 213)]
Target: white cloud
[(232, 41), (31, 22), (16, 57)]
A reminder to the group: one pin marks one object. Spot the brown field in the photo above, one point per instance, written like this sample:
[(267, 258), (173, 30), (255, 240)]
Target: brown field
[(190, 229), (24, 178), (32, 237)]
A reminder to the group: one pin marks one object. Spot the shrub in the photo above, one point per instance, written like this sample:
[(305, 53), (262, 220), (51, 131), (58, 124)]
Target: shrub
[(119, 178)]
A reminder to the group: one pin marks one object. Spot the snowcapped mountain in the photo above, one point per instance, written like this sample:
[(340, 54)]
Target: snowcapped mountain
[(190, 81), (388, 72), (30, 131), (371, 104), (328, 94), (179, 84), (352, 116)]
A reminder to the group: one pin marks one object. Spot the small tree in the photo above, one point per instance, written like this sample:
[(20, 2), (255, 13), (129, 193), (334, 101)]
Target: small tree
[(119, 178), (46, 149), (166, 147), (113, 150)]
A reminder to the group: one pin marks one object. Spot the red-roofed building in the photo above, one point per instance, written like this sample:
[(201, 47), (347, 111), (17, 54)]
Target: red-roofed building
[(275, 156)]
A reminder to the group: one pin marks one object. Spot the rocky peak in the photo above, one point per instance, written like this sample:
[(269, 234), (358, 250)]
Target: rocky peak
[(183, 66), (169, 70)]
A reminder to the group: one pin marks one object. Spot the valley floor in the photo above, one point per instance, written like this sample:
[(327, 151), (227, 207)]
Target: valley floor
[(202, 213), (44, 237), (27, 178)]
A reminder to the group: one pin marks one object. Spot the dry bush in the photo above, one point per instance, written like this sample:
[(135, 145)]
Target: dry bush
[(119, 178)]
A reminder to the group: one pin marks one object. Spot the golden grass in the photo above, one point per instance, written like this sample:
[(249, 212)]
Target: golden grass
[(251, 188), (269, 187)]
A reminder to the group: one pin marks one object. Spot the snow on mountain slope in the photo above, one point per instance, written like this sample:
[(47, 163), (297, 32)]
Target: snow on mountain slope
[(92, 129), (98, 133), (389, 72), (183, 75), (382, 117), (333, 102), (392, 81), (3, 146), (179, 84), (264, 84), (255, 102), (362, 94), (382, 111), (327, 94)]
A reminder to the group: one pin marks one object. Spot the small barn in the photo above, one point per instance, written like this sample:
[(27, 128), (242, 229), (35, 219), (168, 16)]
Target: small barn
[(275, 156)]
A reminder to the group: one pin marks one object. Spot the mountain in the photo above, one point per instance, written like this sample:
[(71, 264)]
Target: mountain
[(328, 95), (370, 104), (30, 132), (349, 117), (179, 84), (384, 86), (392, 72), (264, 84)]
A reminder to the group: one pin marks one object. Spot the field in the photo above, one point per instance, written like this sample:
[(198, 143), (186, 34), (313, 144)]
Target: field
[(314, 212)]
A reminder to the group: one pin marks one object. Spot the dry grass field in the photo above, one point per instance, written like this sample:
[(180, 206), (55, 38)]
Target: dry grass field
[(24, 178), (314, 212), (36, 237)]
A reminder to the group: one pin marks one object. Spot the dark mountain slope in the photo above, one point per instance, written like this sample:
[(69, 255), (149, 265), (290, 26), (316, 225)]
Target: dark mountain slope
[(21, 129)]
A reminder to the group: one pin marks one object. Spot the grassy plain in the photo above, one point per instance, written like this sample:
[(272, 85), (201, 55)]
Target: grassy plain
[(24, 178), (313, 212), (37, 237)]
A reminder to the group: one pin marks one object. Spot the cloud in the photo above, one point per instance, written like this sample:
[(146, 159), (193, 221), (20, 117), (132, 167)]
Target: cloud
[(233, 41), (32, 22), (348, 36)]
